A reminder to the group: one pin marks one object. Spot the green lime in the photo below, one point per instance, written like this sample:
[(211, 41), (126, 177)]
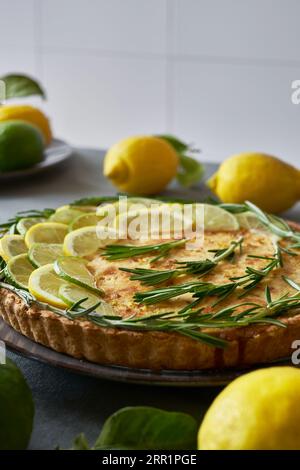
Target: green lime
[(16, 408), (44, 253), (18, 270), (21, 145)]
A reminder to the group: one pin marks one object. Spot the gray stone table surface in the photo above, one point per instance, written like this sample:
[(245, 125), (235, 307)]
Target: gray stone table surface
[(67, 404)]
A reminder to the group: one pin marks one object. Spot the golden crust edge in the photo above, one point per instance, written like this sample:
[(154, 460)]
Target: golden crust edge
[(148, 350)]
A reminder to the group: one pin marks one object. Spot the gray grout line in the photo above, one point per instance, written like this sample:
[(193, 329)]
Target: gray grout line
[(169, 67), (120, 54), (193, 58), (38, 52)]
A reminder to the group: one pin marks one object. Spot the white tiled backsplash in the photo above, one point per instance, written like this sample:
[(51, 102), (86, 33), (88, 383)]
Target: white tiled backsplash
[(214, 72)]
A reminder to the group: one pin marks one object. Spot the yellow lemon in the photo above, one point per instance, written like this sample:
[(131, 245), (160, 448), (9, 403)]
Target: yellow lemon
[(257, 411), (141, 165), (268, 182), (29, 114)]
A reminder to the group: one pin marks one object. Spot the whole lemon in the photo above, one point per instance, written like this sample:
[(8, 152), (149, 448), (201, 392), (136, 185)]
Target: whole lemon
[(268, 182), (16, 408), (29, 114), (141, 165), (21, 145), (258, 411)]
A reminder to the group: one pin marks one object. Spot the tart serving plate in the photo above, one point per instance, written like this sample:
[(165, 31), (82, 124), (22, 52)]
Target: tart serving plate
[(21, 345)]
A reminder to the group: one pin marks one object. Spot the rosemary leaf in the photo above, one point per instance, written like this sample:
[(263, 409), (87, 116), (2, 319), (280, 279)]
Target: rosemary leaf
[(153, 277), (116, 252)]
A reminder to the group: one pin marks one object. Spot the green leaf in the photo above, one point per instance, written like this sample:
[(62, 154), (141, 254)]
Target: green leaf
[(190, 171), (177, 144), (148, 428), (80, 443), (21, 86)]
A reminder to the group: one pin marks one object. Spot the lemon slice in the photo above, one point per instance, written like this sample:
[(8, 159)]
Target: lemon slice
[(65, 215), (85, 220), (44, 285), (47, 232), (71, 294), (24, 224), (249, 221), (126, 205), (18, 270), (44, 253), (216, 218), (77, 208), (75, 270), (86, 241), (12, 245), (147, 223), (167, 220)]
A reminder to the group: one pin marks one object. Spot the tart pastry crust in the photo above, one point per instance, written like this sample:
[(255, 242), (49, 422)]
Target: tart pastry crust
[(148, 350)]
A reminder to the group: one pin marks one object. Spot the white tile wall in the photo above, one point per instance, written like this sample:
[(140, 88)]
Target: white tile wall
[(216, 72), (247, 29), (15, 60), (17, 23), (105, 98), (105, 25), (229, 109)]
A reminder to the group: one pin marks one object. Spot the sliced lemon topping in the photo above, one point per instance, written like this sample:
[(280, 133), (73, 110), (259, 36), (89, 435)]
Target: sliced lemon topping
[(85, 220), (216, 218), (47, 232), (249, 221), (44, 285), (75, 270), (12, 245), (85, 241), (65, 215), (24, 224), (44, 253), (18, 270), (70, 293)]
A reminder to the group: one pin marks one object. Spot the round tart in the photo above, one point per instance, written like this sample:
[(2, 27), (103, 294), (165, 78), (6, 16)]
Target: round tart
[(241, 287)]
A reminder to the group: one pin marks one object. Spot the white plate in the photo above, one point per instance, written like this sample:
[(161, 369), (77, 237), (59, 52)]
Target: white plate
[(57, 152)]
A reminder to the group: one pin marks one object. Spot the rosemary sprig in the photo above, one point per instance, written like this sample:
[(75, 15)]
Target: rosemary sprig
[(207, 289), (2, 266), (198, 289), (22, 293), (153, 277), (253, 277), (10, 225), (116, 252), (274, 223)]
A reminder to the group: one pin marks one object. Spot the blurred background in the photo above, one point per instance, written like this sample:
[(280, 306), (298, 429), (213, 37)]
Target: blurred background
[(214, 72)]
